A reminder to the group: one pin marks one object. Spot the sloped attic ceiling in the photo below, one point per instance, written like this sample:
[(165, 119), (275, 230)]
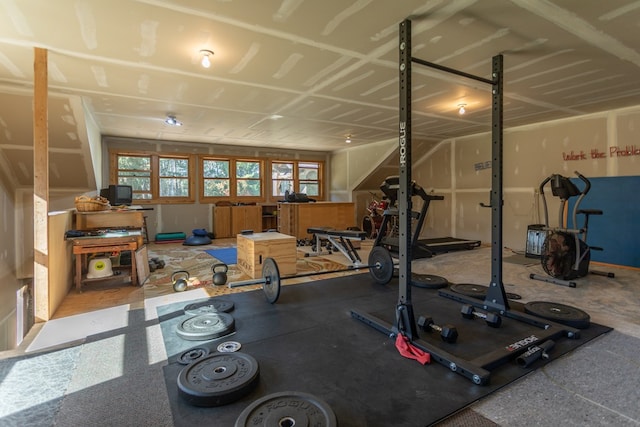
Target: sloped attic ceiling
[(301, 74)]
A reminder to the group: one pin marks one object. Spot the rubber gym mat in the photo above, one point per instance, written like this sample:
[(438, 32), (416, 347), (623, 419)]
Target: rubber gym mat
[(308, 342)]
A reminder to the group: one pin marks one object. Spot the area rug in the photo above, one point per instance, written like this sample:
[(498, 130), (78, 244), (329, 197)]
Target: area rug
[(228, 256), (199, 265), (309, 343)]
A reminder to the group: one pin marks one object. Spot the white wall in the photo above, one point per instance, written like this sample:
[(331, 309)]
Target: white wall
[(457, 169)]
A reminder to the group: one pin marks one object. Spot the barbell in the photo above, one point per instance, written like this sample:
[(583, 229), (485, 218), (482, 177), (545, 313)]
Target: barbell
[(380, 267)]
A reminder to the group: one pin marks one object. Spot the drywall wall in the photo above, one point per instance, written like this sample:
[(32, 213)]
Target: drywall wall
[(597, 145)]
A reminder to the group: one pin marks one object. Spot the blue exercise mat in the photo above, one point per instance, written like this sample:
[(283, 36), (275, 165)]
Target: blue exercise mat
[(227, 255)]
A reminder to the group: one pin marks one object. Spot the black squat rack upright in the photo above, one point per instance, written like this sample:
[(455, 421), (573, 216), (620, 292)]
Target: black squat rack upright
[(478, 369)]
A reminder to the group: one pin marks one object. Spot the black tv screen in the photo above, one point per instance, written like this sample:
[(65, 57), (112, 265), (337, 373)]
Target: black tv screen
[(118, 194)]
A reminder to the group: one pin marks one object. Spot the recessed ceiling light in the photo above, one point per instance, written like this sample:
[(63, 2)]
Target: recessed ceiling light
[(172, 121), (461, 109), (275, 117), (348, 139)]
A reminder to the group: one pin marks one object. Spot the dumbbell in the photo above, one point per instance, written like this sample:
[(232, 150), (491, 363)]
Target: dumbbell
[(492, 319), (158, 262), (448, 333)]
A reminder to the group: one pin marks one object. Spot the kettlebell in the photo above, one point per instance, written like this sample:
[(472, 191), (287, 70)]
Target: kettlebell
[(180, 280), (219, 274)]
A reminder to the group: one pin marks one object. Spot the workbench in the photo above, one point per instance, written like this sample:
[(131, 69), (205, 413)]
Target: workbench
[(105, 243)]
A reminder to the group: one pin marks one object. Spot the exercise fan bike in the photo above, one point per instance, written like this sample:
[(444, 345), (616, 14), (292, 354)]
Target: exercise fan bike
[(565, 254)]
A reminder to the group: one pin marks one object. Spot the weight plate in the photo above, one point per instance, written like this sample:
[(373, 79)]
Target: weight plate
[(193, 354), (271, 285), (218, 379), (287, 408), (380, 265), (212, 305), (428, 281), (478, 291), (229, 347), (206, 326), (559, 313)]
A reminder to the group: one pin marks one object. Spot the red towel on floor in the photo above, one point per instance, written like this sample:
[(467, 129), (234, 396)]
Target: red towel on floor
[(410, 351)]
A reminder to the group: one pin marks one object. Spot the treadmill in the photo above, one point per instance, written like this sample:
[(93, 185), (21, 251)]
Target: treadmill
[(421, 248)]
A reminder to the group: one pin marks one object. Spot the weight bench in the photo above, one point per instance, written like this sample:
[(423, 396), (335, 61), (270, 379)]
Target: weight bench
[(340, 239)]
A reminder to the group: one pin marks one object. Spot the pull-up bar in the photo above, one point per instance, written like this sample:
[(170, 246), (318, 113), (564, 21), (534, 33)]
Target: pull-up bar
[(452, 71)]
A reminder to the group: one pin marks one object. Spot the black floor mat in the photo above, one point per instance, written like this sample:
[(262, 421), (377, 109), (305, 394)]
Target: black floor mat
[(308, 342)]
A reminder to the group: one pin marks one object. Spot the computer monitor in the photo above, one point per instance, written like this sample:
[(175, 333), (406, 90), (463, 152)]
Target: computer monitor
[(118, 194)]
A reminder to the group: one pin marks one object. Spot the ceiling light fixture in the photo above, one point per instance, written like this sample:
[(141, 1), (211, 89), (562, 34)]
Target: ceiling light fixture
[(461, 109), (172, 121), (348, 139), (206, 61)]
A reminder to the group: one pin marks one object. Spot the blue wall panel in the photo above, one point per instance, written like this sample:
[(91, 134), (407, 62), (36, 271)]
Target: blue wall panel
[(617, 231)]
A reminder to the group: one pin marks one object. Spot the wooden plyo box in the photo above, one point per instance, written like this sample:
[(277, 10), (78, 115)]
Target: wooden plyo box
[(254, 248)]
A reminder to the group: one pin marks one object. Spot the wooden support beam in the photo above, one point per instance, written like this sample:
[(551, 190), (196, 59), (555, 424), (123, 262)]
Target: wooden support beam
[(41, 185)]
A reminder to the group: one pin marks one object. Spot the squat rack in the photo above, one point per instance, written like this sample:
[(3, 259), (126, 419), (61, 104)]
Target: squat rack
[(495, 301)]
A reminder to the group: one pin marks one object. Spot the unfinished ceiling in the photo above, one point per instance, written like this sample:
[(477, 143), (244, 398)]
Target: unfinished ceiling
[(300, 74)]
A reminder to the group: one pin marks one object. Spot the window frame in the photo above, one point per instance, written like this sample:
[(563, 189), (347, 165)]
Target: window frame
[(296, 177), (196, 177), (155, 175), (233, 197)]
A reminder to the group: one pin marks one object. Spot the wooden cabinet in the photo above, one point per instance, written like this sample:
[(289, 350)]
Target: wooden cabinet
[(229, 221), (295, 218), (246, 218), (222, 222)]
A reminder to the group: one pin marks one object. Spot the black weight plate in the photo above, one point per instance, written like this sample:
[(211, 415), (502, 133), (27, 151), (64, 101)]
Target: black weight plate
[(478, 291), (218, 379), (380, 265), (559, 313), (193, 354), (213, 305), (287, 408), (206, 326), (428, 281), (271, 285)]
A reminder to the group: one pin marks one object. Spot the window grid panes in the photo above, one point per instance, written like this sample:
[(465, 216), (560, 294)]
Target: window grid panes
[(173, 177), (217, 182), (248, 182), (136, 172), (281, 178)]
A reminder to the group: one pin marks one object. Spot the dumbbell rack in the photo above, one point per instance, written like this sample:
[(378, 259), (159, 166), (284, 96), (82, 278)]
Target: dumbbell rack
[(477, 370)]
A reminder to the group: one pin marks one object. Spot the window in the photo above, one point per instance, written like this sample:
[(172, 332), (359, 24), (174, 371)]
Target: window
[(216, 179), (248, 179), (155, 178), (309, 178), (298, 177), (281, 178), (235, 180), (173, 177), (135, 171)]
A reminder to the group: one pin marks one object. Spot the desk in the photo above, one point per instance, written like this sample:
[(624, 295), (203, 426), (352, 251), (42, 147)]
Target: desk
[(108, 242)]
